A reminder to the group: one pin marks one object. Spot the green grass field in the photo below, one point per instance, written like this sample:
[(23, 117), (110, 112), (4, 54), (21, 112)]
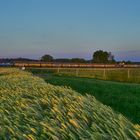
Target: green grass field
[(131, 75), (31, 109), (122, 97)]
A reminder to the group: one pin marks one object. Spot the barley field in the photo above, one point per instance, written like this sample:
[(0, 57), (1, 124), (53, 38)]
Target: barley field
[(32, 109)]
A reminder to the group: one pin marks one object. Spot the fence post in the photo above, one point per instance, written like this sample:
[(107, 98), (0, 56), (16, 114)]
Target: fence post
[(76, 72), (104, 75), (58, 70), (128, 73)]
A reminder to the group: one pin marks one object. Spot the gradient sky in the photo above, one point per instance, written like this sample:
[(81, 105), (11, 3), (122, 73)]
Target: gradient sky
[(70, 28)]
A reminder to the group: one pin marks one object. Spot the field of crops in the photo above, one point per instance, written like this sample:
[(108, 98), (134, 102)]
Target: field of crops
[(122, 97), (112, 74), (34, 110)]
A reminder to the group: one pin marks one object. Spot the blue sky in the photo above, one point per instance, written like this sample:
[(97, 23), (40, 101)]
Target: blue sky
[(70, 28)]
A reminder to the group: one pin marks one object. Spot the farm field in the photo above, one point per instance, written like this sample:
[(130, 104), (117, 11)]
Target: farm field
[(33, 109), (122, 97), (131, 75)]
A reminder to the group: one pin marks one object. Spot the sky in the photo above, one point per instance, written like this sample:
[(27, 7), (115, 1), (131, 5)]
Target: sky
[(70, 28)]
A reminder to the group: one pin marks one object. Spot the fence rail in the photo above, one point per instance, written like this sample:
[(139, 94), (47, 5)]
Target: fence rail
[(113, 74)]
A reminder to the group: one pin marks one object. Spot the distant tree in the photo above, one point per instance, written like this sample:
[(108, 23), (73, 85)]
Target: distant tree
[(125, 62), (103, 57), (100, 57), (66, 60), (47, 58), (128, 62), (111, 58), (78, 60)]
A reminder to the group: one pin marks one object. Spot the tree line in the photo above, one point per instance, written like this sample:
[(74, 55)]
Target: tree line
[(99, 56)]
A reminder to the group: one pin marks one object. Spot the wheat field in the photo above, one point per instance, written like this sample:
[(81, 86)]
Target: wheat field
[(34, 110)]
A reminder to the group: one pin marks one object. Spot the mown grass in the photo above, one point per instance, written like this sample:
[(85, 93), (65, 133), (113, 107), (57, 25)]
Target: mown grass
[(122, 97), (34, 110)]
